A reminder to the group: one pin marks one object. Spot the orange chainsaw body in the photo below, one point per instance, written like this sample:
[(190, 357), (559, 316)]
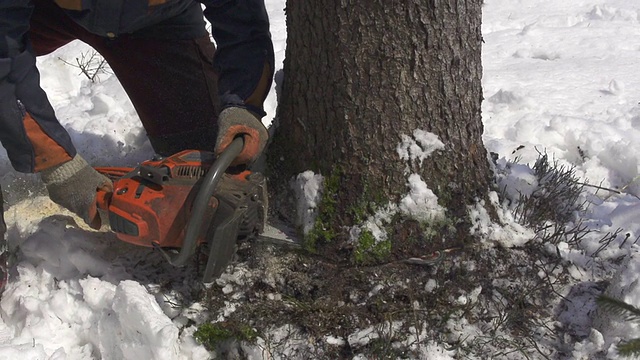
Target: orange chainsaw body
[(151, 205)]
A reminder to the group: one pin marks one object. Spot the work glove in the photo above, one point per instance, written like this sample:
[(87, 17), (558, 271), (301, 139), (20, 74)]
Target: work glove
[(74, 185), (237, 121)]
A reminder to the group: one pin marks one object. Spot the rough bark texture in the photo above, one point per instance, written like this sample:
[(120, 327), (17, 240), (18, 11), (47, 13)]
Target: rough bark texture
[(359, 74), (3, 226)]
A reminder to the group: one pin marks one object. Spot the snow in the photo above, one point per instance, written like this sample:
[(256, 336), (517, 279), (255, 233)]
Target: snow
[(508, 235), (307, 187), (420, 146), (560, 77), (420, 203)]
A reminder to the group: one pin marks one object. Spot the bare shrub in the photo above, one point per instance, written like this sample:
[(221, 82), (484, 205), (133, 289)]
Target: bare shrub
[(91, 65), (556, 199)]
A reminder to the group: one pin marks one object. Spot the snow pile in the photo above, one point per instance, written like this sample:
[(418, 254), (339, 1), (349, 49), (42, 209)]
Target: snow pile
[(308, 190), (419, 147), (508, 233), (73, 298), (420, 203)]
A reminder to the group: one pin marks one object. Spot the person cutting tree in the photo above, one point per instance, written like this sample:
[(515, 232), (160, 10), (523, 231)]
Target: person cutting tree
[(188, 93)]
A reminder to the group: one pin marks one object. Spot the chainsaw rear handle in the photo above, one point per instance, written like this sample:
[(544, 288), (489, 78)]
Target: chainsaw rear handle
[(201, 203), (103, 197)]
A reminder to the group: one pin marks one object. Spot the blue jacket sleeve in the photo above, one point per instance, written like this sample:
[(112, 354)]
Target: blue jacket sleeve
[(244, 57), (14, 24), (29, 129)]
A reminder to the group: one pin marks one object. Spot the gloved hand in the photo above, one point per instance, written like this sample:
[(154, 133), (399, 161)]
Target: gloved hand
[(236, 121), (74, 186)]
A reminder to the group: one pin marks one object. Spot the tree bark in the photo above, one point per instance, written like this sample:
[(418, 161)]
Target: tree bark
[(360, 74), (3, 225)]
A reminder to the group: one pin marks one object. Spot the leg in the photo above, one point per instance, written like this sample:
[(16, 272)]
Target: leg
[(173, 87), (171, 82), (51, 28)]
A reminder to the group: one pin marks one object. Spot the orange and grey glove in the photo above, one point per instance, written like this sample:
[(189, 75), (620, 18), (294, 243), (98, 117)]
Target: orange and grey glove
[(73, 185), (236, 121)]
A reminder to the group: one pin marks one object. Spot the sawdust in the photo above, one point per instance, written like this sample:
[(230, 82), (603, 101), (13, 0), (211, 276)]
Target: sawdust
[(31, 211)]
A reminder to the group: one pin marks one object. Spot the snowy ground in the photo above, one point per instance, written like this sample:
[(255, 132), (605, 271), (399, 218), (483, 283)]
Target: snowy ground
[(559, 77)]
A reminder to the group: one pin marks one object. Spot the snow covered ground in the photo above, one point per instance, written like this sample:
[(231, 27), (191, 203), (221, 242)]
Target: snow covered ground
[(560, 77)]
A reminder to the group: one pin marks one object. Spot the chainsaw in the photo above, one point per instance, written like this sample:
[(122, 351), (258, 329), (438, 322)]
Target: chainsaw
[(186, 202)]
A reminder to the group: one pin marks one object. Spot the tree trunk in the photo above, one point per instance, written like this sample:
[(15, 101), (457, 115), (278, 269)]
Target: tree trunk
[(361, 74), (3, 226)]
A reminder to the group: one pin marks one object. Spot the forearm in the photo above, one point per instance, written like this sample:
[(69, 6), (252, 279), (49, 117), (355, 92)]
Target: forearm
[(29, 130), (244, 59)]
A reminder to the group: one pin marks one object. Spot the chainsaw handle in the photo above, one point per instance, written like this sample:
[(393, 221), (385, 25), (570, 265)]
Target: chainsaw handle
[(103, 199), (201, 203), (114, 172)]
